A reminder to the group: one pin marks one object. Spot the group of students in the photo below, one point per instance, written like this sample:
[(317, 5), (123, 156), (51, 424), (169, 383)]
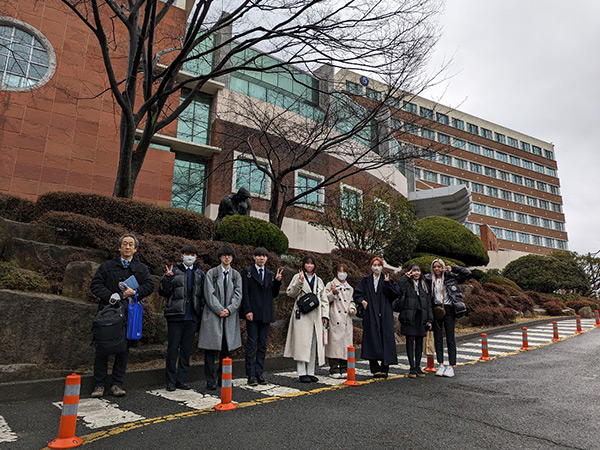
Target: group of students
[(213, 303)]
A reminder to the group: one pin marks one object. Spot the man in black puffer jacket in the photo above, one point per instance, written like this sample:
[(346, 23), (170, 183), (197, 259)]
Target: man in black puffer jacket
[(183, 288), (105, 286)]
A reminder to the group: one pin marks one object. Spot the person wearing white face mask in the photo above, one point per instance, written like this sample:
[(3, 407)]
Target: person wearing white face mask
[(341, 309), (374, 295), (182, 286)]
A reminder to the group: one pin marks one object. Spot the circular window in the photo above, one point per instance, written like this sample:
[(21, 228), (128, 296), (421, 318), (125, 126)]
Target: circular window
[(27, 60)]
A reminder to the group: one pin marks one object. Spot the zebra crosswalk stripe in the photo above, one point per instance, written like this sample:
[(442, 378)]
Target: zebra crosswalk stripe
[(269, 389), (6, 434), (98, 413), (189, 398)]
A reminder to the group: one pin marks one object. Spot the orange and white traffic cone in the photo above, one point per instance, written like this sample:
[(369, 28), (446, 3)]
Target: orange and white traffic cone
[(525, 340), (226, 387), (555, 331), (597, 314), (484, 348), (351, 380), (430, 364), (68, 418), (578, 319)]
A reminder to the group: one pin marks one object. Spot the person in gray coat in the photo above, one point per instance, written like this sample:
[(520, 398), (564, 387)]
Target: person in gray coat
[(220, 326)]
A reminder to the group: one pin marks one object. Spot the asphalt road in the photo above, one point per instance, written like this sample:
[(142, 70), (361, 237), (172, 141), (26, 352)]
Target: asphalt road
[(541, 399)]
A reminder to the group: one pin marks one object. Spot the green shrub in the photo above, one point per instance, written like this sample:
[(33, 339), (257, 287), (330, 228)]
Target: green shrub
[(547, 274), (246, 230), (425, 262), (502, 281), (478, 274), (133, 215), (13, 277), (16, 208), (450, 239), (577, 302)]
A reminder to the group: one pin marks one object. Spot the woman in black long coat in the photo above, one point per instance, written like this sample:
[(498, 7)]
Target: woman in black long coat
[(375, 295), (415, 316)]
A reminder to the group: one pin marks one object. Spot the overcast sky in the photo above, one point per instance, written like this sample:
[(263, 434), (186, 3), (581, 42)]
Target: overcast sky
[(533, 66)]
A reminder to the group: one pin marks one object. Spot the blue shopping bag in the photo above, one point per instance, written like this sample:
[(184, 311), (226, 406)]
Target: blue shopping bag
[(135, 311)]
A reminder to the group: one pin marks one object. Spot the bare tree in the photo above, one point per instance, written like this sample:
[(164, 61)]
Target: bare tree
[(590, 263), (389, 38)]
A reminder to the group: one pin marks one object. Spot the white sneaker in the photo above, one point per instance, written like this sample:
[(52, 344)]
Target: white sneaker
[(337, 376), (440, 371), (449, 372)]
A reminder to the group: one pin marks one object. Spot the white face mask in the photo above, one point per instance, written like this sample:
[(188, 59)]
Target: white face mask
[(189, 260), (377, 270), (342, 276)]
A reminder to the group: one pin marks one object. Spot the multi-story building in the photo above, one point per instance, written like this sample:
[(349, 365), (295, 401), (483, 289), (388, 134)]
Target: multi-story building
[(513, 177)]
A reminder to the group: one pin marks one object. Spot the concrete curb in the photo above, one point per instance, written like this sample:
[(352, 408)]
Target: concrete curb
[(18, 391)]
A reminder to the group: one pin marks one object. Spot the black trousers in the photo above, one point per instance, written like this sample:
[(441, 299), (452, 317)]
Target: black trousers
[(209, 363), (377, 366), (180, 340), (447, 323), (337, 365), (414, 351), (118, 372), (256, 343)]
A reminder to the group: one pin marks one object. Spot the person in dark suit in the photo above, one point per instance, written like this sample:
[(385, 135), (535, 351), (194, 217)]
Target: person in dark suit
[(259, 286)]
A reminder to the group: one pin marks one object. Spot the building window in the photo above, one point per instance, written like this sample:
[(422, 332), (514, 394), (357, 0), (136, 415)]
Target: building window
[(498, 232), (462, 182), (473, 129), (492, 191), (551, 171), (486, 133), (559, 226), (458, 143), (539, 168), (501, 156), (306, 181), (506, 195), (446, 180), (351, 202), (508, 214), (548, 154), (561, 245), (373, 94), (411, 128), (392, 101), (529, 183), (519, 198), (488, 152), (510, 235), (494, 212), (475, 167), (443, 139), (524, 238), (547, 223), (515, 161), (430, 155), (354, 88), (27, 59), (189, 180), (534, 220), (554, 189), (396, 124), (477, 188), (556, 207), (527, 165), (536, 240), (474, 148), (545, 204), (541, 186), (549, 242), (478, 208), (499, 137), (193, 123), (525, 146), (409, 107), (517, 179), (428, 175), (445, 159), (504, 176), (522, 218), (442, 118), (513, 142), (459, 124), (536, 150), (490, 172), (426, 112), (460, 163), (248, 175), (532, 201), (428, 134)]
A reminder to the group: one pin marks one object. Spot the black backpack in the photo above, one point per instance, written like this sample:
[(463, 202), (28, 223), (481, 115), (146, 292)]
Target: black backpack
[(110, 329)]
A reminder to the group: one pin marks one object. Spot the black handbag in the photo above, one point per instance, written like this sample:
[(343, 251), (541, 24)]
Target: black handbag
[(307, 303)]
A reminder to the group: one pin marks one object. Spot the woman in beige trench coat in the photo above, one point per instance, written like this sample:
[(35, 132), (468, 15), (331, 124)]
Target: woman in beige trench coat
[(304, 340), (341, 309)]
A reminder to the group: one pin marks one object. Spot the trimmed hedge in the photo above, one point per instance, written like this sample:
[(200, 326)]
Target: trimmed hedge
[(553, 308), (246, 230), (425, 261), (133, 215), (448, 238), (502, 281), (16, 208)]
